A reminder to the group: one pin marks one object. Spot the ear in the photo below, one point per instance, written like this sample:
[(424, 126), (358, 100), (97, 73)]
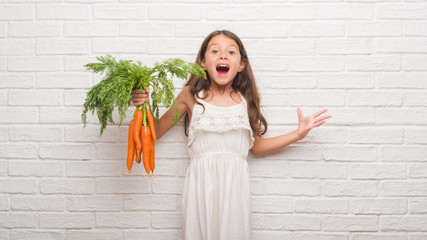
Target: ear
[(242, 65), (203, 64)]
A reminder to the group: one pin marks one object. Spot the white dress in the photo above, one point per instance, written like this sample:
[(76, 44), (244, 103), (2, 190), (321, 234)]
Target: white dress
[(216, 198)]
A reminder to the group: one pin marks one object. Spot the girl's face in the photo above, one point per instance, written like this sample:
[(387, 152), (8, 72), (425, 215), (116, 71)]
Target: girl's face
[(222, 60)]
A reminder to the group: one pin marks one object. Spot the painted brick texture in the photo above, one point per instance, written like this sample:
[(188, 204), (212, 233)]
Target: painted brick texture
[(361, 176)]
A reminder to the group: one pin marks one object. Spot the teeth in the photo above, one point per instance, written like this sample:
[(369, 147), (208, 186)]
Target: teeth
[(223, 65)]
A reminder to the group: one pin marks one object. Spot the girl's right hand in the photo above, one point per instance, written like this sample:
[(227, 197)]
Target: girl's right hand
[(140, 97)]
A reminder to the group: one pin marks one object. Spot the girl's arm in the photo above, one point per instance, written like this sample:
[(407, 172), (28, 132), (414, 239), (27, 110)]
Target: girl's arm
[(165, 121), (264, 146)]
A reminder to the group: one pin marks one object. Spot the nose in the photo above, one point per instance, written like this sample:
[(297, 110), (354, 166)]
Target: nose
[(223, 56)]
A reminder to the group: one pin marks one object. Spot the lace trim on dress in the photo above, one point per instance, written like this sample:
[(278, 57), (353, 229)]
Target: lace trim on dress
[(227, 121)]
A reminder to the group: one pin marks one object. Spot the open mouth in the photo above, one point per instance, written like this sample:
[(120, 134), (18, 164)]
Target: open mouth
[(222, 69)]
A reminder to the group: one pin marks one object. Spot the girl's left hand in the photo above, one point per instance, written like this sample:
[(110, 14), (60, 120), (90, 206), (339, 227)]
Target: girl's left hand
[(305, 124)]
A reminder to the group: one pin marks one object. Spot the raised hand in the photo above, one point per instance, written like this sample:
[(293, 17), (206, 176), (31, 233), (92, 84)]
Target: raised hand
[(139, 98), (305, 124)]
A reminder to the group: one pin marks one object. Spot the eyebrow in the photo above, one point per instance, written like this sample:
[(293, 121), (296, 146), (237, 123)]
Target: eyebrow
[(214, 44)]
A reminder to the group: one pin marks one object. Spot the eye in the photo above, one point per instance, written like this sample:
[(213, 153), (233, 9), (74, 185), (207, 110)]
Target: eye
[(214, 51), (231, 52)]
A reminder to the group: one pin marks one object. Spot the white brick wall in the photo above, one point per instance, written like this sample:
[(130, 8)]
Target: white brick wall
[(362, 176)]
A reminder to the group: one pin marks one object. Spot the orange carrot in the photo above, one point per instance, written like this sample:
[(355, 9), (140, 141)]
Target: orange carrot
[(146, 140), (150, 119), (137, 132), (131, 145)]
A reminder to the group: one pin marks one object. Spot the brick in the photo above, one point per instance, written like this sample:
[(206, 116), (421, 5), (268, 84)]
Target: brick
[(230, 13), (93, 168), (378, 236), (374, 98), (16, 12), (414, 28), (298, 153), (417, 170), (36, 133), (107, 234), (19, 185), (63, 46), (169, 46), (4, 234), (377, 171), (76, 151), (316, 64), (291, 12), (350, 223), (4, 133), (281, 187), (415, 135), (67, 186), (316, 29), (172, 150), (288, 47), (61, 115), (417, 205), (177, 12), (346, 80), (375, 135), (269, 168), (35, 29), (378, 206), (35, 98), (415, 98), (280, 81), (266, 29), (110, 150), (119, 45), (417, 236), (3, 168), (129, 184), (316, 98), (122, 220), (17, 47), (76, 64), (2, 30), (401, 188), (344, 11), (4, 203), (403, 153), (74, 97), (94, 203), (166, 220), (38, 203), (18, 150), (274, 99), (271, 235), (18, 115), (344, 46), (269, 204), (402, 115), (150, 203), (199, 28), (33, 234), (374, 63), (329, 206), (401, 45), (414, 63), (349, 153), (34, 64), (91, 134), (3, 98), (402, 11), (349, 188), (20, 81), (291, 222), (64, 12), (404, 223), (64, 80), (318, 235), (2, 64), (168, 186), (147, 29), (318, 170), (66, 220), (374, 29), (120, 12), (17, 220), (91, 29), (36, 168)]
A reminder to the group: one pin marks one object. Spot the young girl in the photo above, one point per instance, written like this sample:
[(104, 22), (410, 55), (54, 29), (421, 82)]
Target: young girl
[(223, 122)]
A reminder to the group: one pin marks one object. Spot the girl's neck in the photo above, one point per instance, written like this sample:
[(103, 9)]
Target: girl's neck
[(221, 89)]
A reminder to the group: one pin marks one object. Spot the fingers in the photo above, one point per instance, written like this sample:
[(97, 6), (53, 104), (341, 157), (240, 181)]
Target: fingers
[(140, 97), (299, 112), (319, 113)]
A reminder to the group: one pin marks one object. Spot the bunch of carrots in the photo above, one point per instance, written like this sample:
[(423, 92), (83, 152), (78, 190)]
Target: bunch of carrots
[(142, 139)]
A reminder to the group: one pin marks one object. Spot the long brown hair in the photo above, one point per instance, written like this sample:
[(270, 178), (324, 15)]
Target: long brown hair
[(244, 82)]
